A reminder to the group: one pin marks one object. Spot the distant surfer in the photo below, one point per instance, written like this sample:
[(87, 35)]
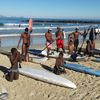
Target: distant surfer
[(59, 39), (76, 39), (49, 40), (58, 68), (25, 44)]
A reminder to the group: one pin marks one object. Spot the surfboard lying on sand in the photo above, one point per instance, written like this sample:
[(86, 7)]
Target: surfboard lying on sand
[(81, 68), (96, 60), (39, 59), (46, 77), (53, 54)]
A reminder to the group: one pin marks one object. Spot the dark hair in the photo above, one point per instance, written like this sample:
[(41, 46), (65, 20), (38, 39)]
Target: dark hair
[(61, 53), (26, 29), (13, 50), (87, 41)]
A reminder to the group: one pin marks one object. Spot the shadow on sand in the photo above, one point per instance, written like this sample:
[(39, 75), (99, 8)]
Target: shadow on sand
[(3, 69), (47, 68)]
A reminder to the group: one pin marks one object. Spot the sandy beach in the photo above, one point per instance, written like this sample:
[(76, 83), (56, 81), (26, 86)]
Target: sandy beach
[(25, 88)]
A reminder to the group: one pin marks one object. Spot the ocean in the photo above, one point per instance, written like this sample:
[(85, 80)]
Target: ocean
[(11, 28)]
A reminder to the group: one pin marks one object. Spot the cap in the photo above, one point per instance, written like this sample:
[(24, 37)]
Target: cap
[(58, 27), (49, 29), (76, 29)]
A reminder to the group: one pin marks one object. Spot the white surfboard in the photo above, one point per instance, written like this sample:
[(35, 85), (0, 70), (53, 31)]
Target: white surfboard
[(39, 59), (66, 56), (46, 77)]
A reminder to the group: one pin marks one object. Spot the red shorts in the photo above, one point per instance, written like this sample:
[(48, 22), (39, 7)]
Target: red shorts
[(60, 43)]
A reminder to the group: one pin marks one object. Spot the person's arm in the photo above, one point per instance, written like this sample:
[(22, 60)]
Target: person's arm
[(46, 36), (88, 48), (19, 41), (29, 40), (13, 61)]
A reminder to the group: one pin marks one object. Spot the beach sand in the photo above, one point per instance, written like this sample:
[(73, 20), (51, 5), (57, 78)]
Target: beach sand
[(25, 88)]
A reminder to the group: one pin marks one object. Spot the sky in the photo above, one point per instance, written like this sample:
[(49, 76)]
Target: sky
[(51, 8)]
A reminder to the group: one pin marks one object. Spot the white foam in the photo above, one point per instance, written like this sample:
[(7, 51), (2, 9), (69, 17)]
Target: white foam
[(21, 28)]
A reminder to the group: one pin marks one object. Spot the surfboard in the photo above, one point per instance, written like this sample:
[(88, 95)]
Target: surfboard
[(82, 68), (95, 51), (39, 59), (96, 60), (46, 76), (53, 54), (30, 25)]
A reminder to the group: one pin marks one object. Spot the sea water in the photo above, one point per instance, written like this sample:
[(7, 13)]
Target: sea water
[(12, 26)]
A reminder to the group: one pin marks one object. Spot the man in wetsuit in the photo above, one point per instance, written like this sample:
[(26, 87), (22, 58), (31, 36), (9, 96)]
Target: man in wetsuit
[(76, 39), (59, 39), (25, 44), (49, 40)]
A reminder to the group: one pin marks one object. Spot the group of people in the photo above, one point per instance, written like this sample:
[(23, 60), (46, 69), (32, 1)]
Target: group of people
[(73, 42)]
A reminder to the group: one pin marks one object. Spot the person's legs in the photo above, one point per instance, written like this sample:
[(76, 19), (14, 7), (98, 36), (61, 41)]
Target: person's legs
[(23, 52), (62, 45), (11, 76), (16, 75), (76, 42), (26, 54)]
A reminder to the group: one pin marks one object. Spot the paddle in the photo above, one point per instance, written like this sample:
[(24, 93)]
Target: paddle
[(43, 52), (84, 40)]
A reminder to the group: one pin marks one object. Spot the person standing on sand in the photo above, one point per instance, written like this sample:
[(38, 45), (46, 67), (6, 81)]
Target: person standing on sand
[(49, 40), (25, 44), (76, 39), (70, 44), (59, 39)]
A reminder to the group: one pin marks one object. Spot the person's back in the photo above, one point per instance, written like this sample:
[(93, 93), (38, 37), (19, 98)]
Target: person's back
[(92, 45), (70, 44)]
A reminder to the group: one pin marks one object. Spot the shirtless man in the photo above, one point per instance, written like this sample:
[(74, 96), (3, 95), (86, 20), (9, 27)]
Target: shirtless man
[(58, 68), (59, 39), (70, 44), (26, 43), (76, 39), (49, 40)]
